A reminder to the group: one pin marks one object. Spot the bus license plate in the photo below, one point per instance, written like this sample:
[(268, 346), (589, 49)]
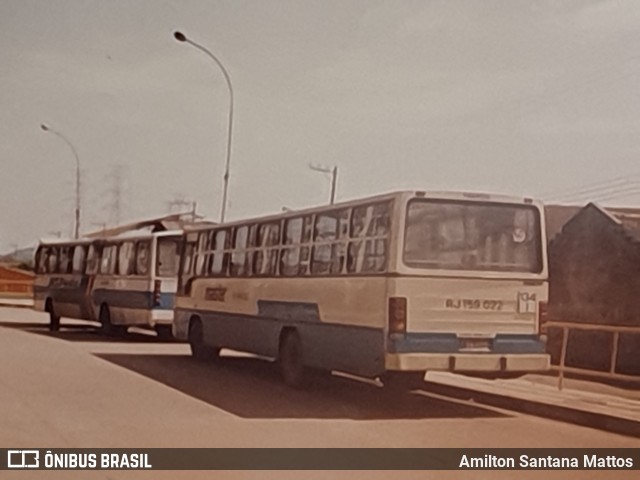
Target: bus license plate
[(475, 344)]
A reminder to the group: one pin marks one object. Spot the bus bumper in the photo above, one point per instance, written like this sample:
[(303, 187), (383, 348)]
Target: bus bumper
[(460, 362), (161, 317)]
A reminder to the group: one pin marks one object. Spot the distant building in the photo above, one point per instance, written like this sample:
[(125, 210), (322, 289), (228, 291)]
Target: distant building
[(594, 277), (15, 283)]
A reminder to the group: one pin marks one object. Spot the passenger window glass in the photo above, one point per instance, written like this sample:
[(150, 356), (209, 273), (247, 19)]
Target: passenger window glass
[(79, 256), (239, 254), (293, 231), (64, 262), (217, 267), (109, 254), (93, 259), (52, 260), (143, 257), (125, 258), (167, 258), (326, 228), (289, 261), (265, 259)]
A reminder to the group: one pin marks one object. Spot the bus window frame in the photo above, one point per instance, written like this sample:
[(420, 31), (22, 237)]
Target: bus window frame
[(538, 239)]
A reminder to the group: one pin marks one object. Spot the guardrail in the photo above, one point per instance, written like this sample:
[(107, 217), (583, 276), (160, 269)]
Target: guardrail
[(615, 332)]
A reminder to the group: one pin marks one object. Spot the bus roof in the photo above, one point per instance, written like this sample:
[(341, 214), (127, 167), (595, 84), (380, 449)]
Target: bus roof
[(129, 235), (440, 195)]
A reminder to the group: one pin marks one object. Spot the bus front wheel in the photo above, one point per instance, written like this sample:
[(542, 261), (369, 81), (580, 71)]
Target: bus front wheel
[(54, 318), (199, 350), (291, 360)]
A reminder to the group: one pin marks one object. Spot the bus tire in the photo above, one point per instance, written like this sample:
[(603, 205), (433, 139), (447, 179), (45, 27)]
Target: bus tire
[(54, 318), (403, 381), (199, 350), (106, 327), (164, 332), (291, 360)]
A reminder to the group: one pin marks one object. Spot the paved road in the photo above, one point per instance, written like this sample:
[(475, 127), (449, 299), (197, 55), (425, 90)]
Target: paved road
[(78, 389)]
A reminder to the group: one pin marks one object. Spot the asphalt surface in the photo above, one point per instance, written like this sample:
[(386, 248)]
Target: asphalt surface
[(76, 388)]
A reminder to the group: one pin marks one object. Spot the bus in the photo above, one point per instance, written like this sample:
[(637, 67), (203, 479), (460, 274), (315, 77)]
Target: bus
[(123, 281), (386, 287)]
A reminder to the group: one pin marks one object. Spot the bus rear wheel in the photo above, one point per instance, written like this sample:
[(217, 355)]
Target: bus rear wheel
[(54, 318), (199, 350), (291, 360), (106, 327)]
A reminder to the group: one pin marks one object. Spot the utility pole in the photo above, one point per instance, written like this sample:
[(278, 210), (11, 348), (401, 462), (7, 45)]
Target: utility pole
[(333, 171)]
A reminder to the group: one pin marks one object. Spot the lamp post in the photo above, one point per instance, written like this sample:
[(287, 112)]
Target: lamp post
[(179, 36), (46, 128), (333, 171)]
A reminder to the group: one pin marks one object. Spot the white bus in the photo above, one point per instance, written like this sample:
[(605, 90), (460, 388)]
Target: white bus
[(389, 287), (122, 281)]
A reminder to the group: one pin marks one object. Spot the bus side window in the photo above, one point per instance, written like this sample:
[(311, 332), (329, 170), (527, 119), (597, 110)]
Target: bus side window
[(369, 228), (265, 259), (93, 259), (64, 262), (125, 258), (239, 253), (52, 260), (109, 257), (199, 257), (290, 254), (329, 248), (41, 260), (220, 244), (79, 257), (143, 257)]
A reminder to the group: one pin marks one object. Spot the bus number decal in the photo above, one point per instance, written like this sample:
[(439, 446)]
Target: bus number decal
[(215, 294)]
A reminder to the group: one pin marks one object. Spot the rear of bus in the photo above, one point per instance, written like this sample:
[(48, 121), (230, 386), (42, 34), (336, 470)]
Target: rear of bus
[(471, 273), (164, 280)]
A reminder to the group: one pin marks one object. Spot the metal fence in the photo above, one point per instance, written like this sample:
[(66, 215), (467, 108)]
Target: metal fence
[(610, 337)]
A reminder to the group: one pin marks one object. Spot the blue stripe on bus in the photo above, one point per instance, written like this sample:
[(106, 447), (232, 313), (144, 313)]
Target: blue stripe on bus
[(450, 343), (289, 311), (135, 299)]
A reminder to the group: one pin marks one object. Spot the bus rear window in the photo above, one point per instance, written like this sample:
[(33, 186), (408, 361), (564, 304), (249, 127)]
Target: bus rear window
[(168, 257), (450, 235)]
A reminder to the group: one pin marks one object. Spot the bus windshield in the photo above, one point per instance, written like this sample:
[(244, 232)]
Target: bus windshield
[(458, 235)]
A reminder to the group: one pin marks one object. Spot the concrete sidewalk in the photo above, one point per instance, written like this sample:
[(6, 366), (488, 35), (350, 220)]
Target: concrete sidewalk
[(582, 402), (16, 302)]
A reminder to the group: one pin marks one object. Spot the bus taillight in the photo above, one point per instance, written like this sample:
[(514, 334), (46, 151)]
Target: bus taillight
[(397, 314), (156, 292), (542, 318)]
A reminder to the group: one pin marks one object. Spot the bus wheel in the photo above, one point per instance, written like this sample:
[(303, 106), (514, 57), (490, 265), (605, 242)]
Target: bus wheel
[(291, 360), (164, 332), (403, 381), (199, 350), (106, 326), (54, 318)]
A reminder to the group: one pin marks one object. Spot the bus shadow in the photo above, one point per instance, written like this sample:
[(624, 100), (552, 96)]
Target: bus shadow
[(84, 333), (252, 388)]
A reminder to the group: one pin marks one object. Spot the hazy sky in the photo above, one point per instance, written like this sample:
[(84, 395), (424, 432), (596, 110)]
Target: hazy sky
[(530, 97)]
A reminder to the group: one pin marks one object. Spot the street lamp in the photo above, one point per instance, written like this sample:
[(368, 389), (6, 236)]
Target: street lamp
[(333, 171), (46, 128), (179, 36)]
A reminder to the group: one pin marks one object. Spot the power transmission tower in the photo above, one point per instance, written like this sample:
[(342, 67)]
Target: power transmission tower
[(116, 192)]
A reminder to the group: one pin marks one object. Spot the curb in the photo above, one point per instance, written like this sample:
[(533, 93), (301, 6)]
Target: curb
[(15, 305), (600, 421)]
